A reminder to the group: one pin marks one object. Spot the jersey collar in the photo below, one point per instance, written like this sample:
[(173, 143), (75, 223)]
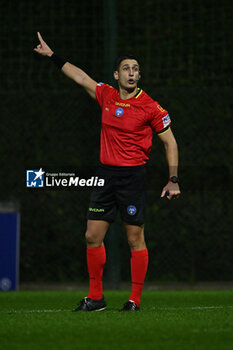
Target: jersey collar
[(138, 93)]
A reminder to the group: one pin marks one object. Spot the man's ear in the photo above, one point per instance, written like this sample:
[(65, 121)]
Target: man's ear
[(116, 75)]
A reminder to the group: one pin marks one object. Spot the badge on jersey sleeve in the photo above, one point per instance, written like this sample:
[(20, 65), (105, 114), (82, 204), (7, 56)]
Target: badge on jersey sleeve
[(119, 112), (166, 121)]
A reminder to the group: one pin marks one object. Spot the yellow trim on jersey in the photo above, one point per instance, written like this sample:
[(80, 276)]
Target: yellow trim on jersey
[(163, 132), (139, 93)]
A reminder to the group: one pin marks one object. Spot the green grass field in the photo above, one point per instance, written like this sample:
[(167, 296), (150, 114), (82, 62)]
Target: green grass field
[(167, 320)]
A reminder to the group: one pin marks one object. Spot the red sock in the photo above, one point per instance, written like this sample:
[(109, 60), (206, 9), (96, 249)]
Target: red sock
[(139, 264), (96, 258)]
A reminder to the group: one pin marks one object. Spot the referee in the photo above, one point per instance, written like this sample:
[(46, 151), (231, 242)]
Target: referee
[(129, 117)]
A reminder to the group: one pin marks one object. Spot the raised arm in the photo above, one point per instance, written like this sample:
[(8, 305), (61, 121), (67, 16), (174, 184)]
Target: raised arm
[(71, 71)]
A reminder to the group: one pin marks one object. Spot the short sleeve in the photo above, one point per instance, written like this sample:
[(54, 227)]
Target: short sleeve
[(101, 91), (160, 120)]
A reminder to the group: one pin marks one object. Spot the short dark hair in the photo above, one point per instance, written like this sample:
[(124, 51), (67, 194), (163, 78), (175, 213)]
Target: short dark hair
[(124, 57)]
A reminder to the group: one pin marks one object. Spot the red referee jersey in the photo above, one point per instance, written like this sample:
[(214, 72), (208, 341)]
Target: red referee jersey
[(127, 126)]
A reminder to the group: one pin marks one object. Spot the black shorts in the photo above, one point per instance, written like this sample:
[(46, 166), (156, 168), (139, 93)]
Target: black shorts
[(124, 189)]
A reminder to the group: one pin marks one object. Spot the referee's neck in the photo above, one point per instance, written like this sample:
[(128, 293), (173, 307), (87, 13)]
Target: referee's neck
[(125, 94)]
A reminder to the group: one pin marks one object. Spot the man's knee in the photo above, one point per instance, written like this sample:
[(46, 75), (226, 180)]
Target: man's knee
[(136, 242), (135, 236), (95, 233), (91, 237)]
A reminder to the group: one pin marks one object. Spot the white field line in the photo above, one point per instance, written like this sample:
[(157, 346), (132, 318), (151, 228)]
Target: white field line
[(212, 330), (32, 311), (195, 307), (151, 309)]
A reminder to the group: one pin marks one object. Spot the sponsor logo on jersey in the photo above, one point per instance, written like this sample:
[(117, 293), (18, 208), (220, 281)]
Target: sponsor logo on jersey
[(119, 112), (122, 104), (166, 121), (160, 108), (131, 210)]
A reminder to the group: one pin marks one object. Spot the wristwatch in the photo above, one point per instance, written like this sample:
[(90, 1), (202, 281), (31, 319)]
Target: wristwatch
[(174, 179)]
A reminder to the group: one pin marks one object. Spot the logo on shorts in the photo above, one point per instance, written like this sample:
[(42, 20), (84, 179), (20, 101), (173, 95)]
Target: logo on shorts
[(96, 210), (35, 178), (131, 210), (119, 112)]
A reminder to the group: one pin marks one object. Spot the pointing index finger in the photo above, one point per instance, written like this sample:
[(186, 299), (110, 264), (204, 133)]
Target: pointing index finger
[(39, 37)]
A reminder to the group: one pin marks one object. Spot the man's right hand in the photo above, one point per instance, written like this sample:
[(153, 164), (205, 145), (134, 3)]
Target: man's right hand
[(71, 71), (43, 49)]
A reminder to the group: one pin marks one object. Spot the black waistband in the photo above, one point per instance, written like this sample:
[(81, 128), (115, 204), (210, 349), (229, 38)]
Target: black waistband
[(122, 168)]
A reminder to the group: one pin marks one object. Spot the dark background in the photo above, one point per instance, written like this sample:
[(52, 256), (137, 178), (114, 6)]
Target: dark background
[(185, 51)]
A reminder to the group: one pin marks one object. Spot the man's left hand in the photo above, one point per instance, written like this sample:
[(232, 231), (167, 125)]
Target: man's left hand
[(171, 190)]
